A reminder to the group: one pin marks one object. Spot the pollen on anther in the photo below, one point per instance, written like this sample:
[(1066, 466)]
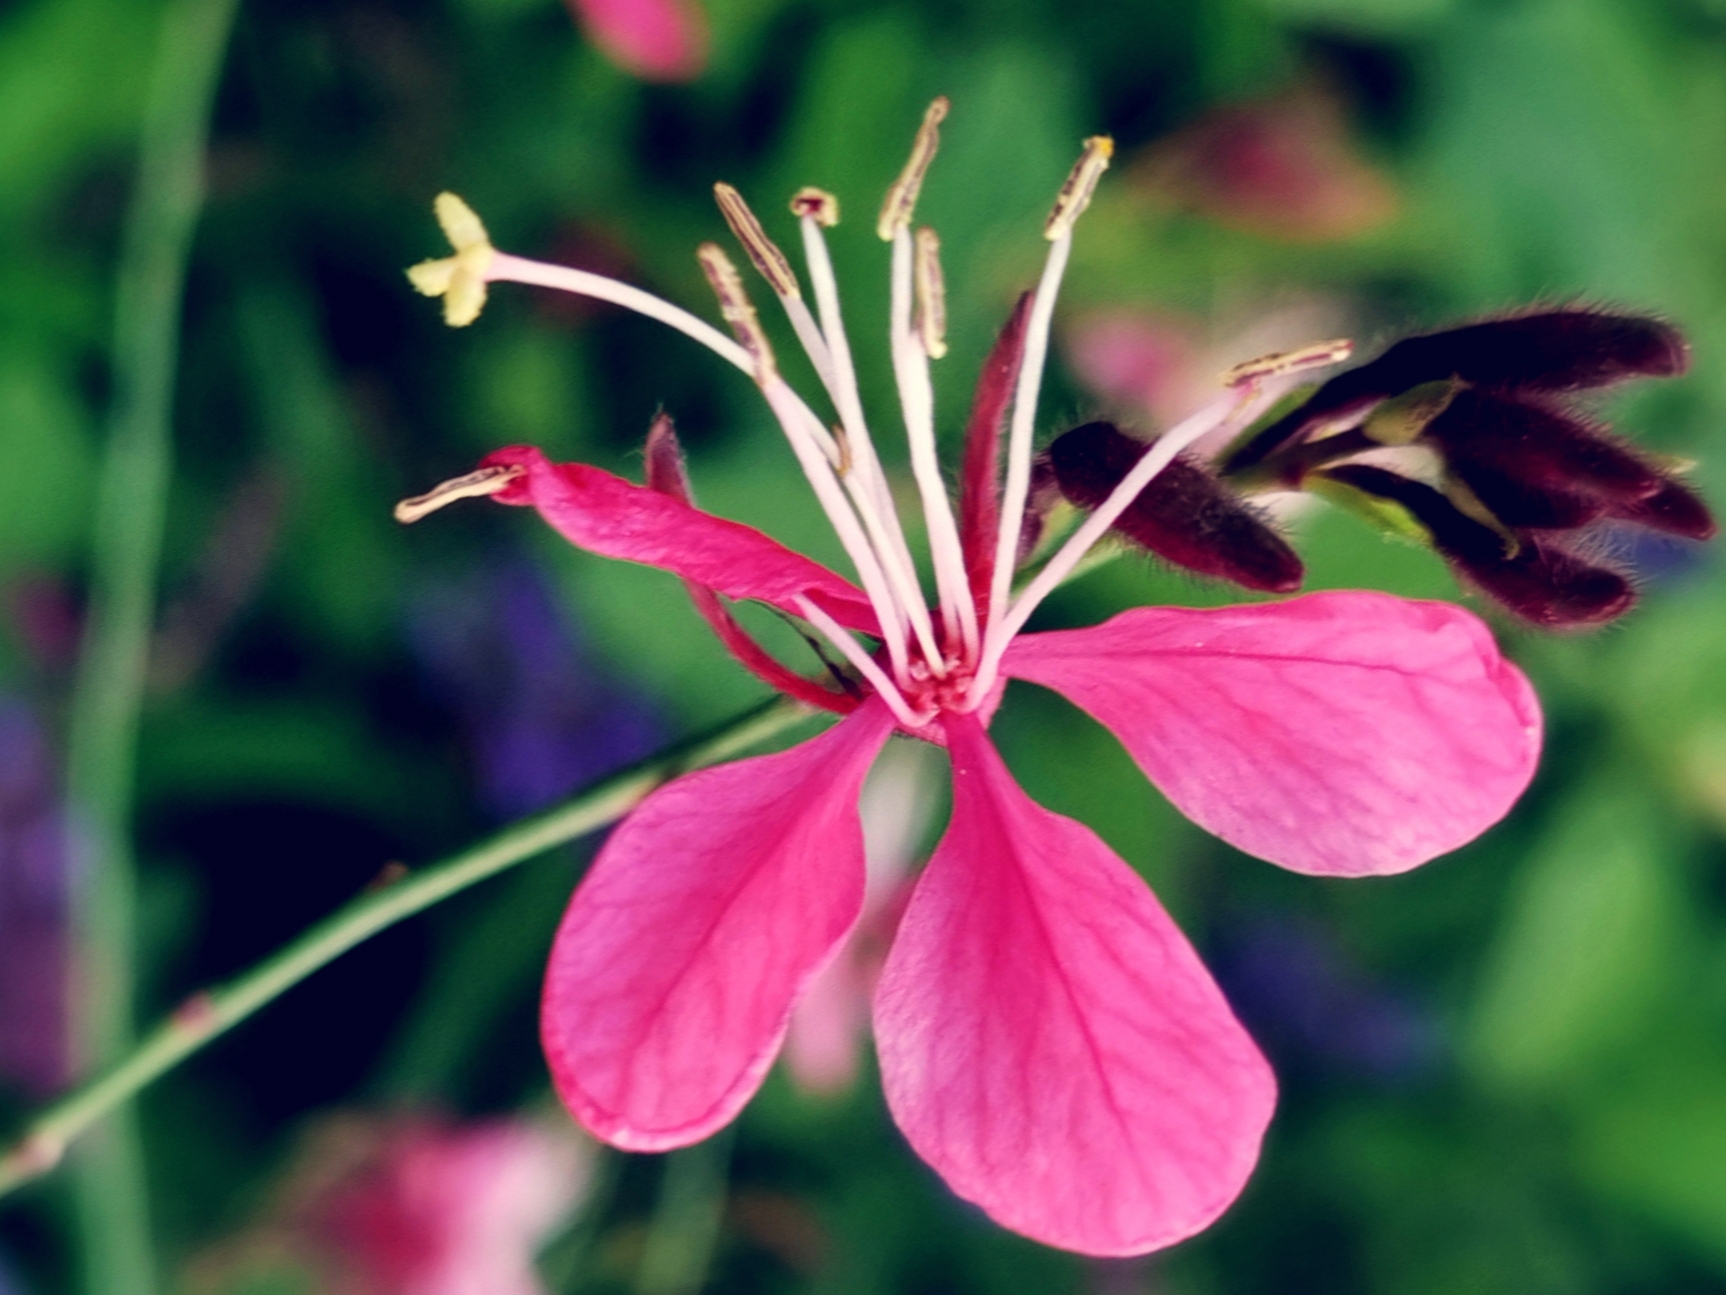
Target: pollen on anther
[(901, 198), (738, 310), (473, 485), (1080, 185), (1283, 363), (931, 294), (762, 251), (819, 205)]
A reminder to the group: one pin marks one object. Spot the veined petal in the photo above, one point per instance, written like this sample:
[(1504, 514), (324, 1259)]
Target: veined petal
[(1343, 734), (605, 514), (710, 908), (1049, 1040)]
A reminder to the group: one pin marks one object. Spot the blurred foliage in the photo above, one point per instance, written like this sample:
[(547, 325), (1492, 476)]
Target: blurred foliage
[(1565, 1132)]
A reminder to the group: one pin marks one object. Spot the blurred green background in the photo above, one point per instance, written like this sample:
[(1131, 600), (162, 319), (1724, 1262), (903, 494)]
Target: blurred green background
[(1505, 1072)]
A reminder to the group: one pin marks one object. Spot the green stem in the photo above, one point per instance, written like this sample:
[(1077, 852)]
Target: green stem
[(205, 1015), (130, 504), (684, 1231)]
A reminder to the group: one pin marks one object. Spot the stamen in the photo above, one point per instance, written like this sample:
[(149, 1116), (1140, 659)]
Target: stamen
[(1283, 363), (1018, 484), (917, 399), (931, 294), (762, 250), (474, 485), (819, 205), (583, 283), (1235, 408), (867, 483), (848, 646), (1081, 184), (738, 310), (902, 196)]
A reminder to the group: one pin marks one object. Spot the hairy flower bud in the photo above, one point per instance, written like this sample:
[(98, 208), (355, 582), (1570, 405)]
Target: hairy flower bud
[(1550, 352), (1535, 578), (1185, 515)]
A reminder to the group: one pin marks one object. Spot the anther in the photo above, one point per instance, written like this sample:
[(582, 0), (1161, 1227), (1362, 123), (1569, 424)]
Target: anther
[(485, 481), (1284, 363), (902, 197), (931, 294), (819, 205), (1081, 183), (735, 305), (763, 252)]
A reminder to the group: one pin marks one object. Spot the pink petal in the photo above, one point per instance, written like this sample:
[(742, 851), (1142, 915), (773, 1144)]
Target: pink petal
[(1049, 1040), (708, 910), (657, 40), (607, 515), (1343, 734)]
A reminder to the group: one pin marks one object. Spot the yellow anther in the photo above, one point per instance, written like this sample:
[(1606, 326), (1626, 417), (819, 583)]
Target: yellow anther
[(1283, 363), (474, 485), (458, 279), (738, 310), (818, 204), (931, 293), (763, 252), (1081, 183), (902, 197)]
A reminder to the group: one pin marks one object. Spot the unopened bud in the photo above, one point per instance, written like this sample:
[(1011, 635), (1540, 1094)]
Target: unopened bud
[(762, 251), (1185, 515), (666, 471), (1081, 184), (931, 294), (1538, 580), (901, 199), (735, 305), (819, 205)]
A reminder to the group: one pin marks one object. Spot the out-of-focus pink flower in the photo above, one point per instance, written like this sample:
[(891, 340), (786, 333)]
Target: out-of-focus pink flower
[(1285, 167), (830, 1019), (1049, 1040), (419, 1206), (656, 40)]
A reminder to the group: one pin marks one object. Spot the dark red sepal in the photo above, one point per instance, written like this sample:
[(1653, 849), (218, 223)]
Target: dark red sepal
[(979, 478), (1186, 515)]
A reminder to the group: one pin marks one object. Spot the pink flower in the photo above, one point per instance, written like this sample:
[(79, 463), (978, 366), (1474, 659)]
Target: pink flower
[(1049, 1041), (656, 40), (419, 1207), (409, 1204)]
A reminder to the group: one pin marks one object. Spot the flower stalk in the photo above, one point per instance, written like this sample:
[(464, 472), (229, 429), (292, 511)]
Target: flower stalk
[(206, 1015)]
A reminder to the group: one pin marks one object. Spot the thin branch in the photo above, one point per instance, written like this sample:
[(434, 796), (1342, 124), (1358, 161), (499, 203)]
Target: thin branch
[(210, 1013)]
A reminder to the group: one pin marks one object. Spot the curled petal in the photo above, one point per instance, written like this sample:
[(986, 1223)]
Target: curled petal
[(1049, 1040), (710, 908), (1343, 734), (605, 514)]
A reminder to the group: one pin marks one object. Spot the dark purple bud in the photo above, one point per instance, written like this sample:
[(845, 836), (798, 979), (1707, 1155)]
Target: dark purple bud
[(1040, 500), (1538, 581), (1675, 509), (1534, 466), (1186, 515), (1554, 351)]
